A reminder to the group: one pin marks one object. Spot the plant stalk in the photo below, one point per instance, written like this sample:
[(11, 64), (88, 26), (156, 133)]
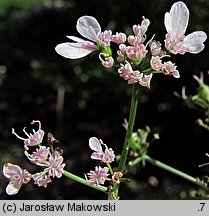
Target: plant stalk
[(84, 182), (132, 116), (175, 171)]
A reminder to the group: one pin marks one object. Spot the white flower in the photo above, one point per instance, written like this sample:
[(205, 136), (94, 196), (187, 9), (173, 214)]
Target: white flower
[(96, 145), (89, 28), (17, 177), (176, 22)]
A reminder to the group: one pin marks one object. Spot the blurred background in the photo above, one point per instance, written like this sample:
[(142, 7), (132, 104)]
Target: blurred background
[(77, 99)]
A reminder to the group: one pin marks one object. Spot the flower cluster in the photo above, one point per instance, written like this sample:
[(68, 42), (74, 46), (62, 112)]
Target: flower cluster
[(99, 174), (138, 58), (48, 158)]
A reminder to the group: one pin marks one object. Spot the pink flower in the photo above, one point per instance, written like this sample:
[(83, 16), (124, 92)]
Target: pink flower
[(39, 156), (156, 63), (122, 48), (155, 48), (116, 177), (105, 37), (108, 61), (121, 53), (58, 152), (145, 80), (107, 157), (169, 68), (141, 29), (136, 53), (41, 179), (120, 57), (175, 43), (176, 22), (132, 40), (98, 176), (127, 73), (33, 139), (17, 177), (51, 140), (55, 166), (118, 38)]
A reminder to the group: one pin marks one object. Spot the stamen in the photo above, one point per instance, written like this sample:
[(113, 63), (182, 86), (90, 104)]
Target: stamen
[(183, 92), (203, 164), (201, 77), (39, 123), (101, 142), (165, 56), (198, 79), (26, 148), (101, 57), (105, 146), (13, 132), (125, 124), (177, 94), (86, 177), (26, 132), (150, 40)]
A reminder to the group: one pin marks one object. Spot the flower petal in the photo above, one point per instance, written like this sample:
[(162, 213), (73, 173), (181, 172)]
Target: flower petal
[(13, 188), (76, 39), (88, 27), (97, 156), (95, 145), (176, 74), (72, 50), (10, 170), (176, 20), (194, 42)]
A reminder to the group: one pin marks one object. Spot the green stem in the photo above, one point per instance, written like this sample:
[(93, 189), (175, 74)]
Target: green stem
[(132, 116), (84, 182), (147, 70), (135, 161), (175, 171), (110, 168), (156, 72)]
